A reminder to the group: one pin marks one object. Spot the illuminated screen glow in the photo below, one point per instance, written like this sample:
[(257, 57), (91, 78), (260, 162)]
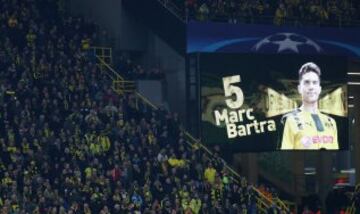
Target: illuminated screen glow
[(254, 102)]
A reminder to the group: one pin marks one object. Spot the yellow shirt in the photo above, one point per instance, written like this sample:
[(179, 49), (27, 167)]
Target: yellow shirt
[(85, 44), (195, 205), (210, 174), (7, 181), (88, 172), (104, 143), (174, 162), (306, 131)]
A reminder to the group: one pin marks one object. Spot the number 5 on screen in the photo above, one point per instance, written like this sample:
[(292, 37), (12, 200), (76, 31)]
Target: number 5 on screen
[(229, 90)]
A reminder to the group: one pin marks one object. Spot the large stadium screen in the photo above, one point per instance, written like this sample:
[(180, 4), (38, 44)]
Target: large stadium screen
[(263, 102)]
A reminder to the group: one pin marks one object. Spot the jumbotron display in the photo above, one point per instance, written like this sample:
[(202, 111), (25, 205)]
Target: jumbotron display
[(254, 102)]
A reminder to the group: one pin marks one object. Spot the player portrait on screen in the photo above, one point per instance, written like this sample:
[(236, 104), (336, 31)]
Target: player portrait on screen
[(306, 128)]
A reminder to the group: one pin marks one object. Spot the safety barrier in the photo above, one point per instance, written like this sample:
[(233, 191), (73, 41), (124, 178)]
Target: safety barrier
[(263, 202), (352, 209)]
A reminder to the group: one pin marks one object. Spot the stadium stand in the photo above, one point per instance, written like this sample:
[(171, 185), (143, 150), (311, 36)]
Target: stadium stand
[(294, 12), (132, 70), (72, 141), (71, 144)]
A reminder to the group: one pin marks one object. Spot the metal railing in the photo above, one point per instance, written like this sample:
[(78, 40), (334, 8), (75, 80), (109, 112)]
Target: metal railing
[(353, 208), (103, 53), (174, 9), (263, 202), (119, 84)]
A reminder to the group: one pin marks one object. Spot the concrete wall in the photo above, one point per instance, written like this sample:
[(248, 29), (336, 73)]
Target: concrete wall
[(131, 35), (173, 64), (151, 89), (128, 33)]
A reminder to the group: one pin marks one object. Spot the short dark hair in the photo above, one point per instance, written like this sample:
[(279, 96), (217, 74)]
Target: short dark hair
[(309, 67)]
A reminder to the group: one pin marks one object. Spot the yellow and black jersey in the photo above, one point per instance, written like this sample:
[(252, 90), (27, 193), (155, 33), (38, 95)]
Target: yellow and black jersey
[(309, 131)]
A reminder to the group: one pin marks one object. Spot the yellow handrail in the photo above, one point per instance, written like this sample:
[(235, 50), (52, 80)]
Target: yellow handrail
[(103, 53), (110, 69), (278, 201), (146, 100), (263, 199), (352, 209)]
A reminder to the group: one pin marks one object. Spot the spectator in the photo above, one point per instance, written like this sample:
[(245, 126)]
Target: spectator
[(132, 70), (69, 144), (307, 211), (306, 11), (280, 15), (203, 12), (210, 174)]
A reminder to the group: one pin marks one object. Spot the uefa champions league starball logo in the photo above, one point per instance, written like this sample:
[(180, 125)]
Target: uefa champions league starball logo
[(287, 43)]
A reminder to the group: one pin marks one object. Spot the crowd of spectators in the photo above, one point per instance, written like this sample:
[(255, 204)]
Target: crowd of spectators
[(132, 70), (69, 144), (298, 12)]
